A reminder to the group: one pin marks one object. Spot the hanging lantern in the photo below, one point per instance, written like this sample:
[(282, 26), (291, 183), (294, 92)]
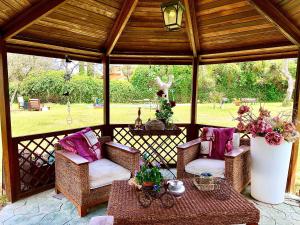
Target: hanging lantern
[(172, 13)]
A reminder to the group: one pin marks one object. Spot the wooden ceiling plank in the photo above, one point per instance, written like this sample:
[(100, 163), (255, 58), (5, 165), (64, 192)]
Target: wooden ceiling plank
[(21, 49), (249, 51), (253, 57), (52, 45), (28, 17), (119, 25), (191, 26), (277, 17)]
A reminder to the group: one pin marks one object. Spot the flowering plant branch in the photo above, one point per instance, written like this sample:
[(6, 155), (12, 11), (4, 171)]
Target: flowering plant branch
[(165, 111), (274, 129)]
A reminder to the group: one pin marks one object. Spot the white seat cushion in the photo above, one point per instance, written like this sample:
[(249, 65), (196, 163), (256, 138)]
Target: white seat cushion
[(214, 166), (103, 172)]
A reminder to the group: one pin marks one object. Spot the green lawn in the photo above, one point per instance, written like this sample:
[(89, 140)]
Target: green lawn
[(25, 122)]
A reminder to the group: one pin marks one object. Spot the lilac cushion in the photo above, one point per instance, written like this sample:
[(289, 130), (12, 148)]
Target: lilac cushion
[(76, 143)]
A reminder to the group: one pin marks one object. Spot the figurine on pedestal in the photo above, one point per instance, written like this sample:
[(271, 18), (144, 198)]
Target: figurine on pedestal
[(138, 122)]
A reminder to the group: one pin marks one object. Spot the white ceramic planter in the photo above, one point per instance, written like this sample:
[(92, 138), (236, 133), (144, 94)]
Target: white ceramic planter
[(269, 170)]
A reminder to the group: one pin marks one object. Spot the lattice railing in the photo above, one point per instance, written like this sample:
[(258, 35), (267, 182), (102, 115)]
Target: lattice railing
[(36, 159), (164, 145)]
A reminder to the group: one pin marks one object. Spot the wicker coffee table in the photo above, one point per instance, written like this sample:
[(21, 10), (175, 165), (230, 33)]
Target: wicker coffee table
[(194, 207)]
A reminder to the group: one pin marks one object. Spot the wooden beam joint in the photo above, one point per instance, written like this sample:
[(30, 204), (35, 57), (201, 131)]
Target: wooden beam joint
[(119, 25)]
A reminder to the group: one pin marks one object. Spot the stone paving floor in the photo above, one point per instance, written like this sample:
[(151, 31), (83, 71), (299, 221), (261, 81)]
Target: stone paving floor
[(44, 208)]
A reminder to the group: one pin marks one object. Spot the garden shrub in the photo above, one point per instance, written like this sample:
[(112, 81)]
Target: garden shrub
[(244, 80), (121, 91)]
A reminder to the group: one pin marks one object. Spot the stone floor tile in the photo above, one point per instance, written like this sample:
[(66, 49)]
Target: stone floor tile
[(25, 220), (44, 209)]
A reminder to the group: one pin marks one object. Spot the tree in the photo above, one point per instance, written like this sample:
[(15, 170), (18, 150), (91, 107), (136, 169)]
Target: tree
[(279, 69), (127, 71), (20, 66), (291, 84)]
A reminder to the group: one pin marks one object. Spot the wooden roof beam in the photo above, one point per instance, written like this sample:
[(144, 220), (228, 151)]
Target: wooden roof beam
[(191, 25), (277, 17), (28, 17), (119, 25)]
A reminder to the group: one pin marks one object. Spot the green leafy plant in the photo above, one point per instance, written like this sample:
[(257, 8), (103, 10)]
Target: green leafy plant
[(149, 174), (165, 113)]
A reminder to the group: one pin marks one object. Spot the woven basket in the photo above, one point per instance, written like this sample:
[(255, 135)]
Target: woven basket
[(155, 125), (206, 183)]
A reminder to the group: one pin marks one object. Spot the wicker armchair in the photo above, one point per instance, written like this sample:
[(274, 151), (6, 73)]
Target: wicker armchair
[(72, 174), (237, 163)]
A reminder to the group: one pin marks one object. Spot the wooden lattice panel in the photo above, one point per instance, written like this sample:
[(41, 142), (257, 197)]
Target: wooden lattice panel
[(36, 157), (164, 145)]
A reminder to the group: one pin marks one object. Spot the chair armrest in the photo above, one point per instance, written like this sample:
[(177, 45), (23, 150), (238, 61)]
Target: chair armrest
[(123, 155), (71, 175), (237, 152), (237, 167), (72, 157), (190, 144), (186, 153)]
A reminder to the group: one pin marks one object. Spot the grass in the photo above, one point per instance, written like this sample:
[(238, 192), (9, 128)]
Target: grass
[(25, 122)]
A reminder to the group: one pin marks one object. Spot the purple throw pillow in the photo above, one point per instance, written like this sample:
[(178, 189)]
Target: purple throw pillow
[(76, 143), (222, 142)]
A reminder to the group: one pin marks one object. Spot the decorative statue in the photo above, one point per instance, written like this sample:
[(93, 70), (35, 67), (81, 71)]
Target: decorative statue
[(138, 122), (165, 86)]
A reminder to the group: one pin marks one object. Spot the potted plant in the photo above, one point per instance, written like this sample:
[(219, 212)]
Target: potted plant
[(271, 145), (165, 112), (149, 177)]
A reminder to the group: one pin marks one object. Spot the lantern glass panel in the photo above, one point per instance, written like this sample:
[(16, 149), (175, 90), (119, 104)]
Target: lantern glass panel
[(179, 16), (170, 15)]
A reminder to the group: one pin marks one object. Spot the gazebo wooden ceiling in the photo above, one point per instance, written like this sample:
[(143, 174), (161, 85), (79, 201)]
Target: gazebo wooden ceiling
[(132, 31)]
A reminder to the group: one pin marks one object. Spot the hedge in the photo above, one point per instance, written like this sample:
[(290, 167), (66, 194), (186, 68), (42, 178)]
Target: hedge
[(50, 86), (229, 81)]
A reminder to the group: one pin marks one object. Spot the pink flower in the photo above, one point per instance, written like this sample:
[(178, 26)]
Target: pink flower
[(250, 128), (241, 126), (261, 126), (274, 138), (243, 109)]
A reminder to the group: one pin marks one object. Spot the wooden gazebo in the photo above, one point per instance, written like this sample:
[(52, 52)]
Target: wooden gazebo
[(132, 32)]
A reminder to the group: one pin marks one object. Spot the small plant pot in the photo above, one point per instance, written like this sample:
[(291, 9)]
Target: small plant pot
[(148, 185)]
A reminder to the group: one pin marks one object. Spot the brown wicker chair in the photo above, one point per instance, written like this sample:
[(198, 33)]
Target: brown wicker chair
[(237, 162), (72, 174)]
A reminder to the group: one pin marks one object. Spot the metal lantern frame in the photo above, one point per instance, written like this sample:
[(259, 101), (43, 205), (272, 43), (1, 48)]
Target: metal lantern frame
[(177, 5)]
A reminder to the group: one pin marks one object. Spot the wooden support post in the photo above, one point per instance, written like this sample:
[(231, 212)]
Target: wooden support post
[(296, 119), (193, 133), (106, 109), (6, 125)]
